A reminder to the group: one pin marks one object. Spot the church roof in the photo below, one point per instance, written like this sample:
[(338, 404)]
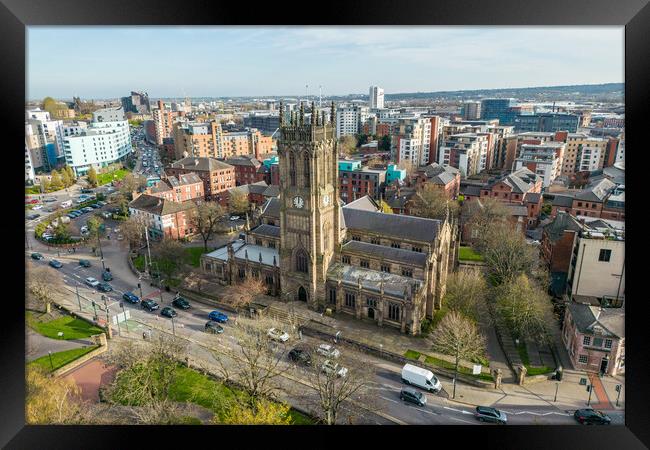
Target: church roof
[(389, 253), (272, 208), (366, 203), (266, 230), (391, 225), (372, 280)]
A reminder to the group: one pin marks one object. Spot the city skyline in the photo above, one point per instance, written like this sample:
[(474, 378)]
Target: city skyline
[(483, 58)]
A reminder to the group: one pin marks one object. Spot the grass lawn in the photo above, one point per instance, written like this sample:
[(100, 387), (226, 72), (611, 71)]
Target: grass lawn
[(194, 387), (530, 370), (60, 359), (412, 354), (71, 327), (105, 178), (463, 370), (33, 189), (194, 254), (467, 254)]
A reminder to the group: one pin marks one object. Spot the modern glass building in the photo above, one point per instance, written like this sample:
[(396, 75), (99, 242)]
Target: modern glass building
[(547, 122), (498, 108)]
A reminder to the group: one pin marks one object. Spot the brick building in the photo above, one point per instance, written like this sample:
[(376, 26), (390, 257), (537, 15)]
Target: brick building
[(217, 176), (163, 217), (246, 169), (444, 177), (179, 188)]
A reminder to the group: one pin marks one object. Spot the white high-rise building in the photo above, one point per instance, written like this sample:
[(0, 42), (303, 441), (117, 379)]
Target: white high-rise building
[(29, 167), (411, 141), (49, 131), (107, 139), (349, 120), (376, 97)]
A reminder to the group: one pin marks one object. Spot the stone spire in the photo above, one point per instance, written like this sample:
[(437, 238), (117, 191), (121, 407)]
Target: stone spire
[(302, 114), (314, 114), (332, 113), (281, 114), (322, 117)]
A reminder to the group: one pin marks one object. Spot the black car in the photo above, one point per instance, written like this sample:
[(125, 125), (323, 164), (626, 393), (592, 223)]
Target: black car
[(589, 416), (33, 216), (181, 303), (84, 263), (130, 297), (213, 328), (413, 396), (168, 312), (301, 356), (86, 191), (107, 276), (56, 264), (104, 287), (488, 414), (37, 256), (149, 305)]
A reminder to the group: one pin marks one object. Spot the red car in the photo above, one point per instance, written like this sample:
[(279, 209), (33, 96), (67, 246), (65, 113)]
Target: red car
[(34, 201)]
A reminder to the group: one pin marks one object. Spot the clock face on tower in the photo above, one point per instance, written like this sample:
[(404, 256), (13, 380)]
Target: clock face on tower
[(326, 200), (298, 202)]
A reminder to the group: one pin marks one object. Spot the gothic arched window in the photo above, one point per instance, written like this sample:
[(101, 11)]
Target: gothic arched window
[(326, 235), (305, 170), (301, 262), (292, 169)]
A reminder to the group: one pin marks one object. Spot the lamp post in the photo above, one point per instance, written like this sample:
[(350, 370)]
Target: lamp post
[(173, 327), (590, 388), (140, 287), (78, 298), (557, 386), (51, 364), (106, 306), (95, 309)]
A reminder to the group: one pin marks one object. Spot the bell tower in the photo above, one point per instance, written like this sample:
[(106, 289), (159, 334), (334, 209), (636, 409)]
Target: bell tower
[(309, 207)]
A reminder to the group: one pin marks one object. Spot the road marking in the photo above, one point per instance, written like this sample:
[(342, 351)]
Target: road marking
[(535, 413), (459, 420), (389, 399), (457, 410)]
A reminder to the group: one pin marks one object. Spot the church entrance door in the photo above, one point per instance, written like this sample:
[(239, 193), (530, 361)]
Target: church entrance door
[(371, 313), (302, 294)]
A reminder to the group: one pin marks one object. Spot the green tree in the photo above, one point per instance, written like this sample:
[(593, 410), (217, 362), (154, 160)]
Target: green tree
[(56, 182), (384, 143), (131, 183), (61, 231), (92, 176), (65, 178), (362, 139), (263, 412), (170, 256), (45, 184), (238, 202)]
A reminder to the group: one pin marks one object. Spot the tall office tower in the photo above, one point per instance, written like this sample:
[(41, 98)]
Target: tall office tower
[(471, 110), (376, 97)]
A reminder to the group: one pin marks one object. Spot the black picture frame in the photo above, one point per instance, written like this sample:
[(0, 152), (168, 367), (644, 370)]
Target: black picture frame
[(15, 15)]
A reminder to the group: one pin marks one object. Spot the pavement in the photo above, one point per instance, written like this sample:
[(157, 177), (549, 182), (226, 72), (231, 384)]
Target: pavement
[(39, 345)]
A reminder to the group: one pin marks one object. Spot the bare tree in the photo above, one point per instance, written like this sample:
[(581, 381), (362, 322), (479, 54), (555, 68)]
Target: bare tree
[(238, 202), (43, 285), (50, 400), (254, 361), (525, 308), (333, 390), (507, 254), (133, 231), (432, 202), (458, 336), (170, 258), (483, 214), (263, 412), (348, 144), (207, 220), (240, 295), (466, 293), (131, 183)]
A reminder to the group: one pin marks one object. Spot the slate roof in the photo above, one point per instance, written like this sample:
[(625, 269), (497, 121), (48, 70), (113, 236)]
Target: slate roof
[(272, 208), (517, 210), (201, 164), (596, 192), (381, 251), (366, 203), (392, 225), (372, 280), (254, 188), (439, 174), (243, 161), (183, 179), (159, 206), (563, 222), (532, 197), (244, 251), (266, 230), (586, 316), (470, 190), (272, 191), (563, 200)]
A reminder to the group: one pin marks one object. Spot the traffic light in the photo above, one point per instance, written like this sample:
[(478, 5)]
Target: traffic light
[(589, 388), (618, 388)]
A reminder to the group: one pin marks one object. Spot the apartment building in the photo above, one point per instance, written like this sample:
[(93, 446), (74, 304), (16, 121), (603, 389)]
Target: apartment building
[(178, 189), (217, 176), (29, 166), (471, 110), (163, 217), (411, 141), (583, 153), (376, 97), (246, 169), (48, 131), (209, 140), (543, 159), (547, 122), (137, 102), (467, 152), (602, 198), (163, 120), (356, 181), (446, 178), (349, 120)]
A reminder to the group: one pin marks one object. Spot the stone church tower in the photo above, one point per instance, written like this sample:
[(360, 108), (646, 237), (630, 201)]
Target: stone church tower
[(309, 206)]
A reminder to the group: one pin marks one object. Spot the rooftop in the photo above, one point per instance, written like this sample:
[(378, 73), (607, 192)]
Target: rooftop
[(395, 254), (589, 319), (373, 280)]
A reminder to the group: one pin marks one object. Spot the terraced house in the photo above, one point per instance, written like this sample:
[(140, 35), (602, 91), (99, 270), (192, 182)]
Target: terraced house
[(352, 259)]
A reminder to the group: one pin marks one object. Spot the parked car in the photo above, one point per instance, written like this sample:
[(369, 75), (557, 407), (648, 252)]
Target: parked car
[(92, 282), (32, 201), (56, 264), (168, 312), (300, 355), (107, 276), (107, 215), (33, 216), (84, 263), (37, 207), (105, 287), (277, 335), (330, 367), (95, 206), (488, 414), (413, 396), (50, 199), (130, 297), (87, 209), (149, 305), (328, 351), (420, 377), (71, 215), (213, 328), (86, 191), (84, 230), (181, 303), (37, 256), (589, 416), (218, 316), (102, 203)]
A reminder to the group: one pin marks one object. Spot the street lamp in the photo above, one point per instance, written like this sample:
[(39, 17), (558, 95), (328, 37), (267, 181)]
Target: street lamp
[(557, 386), (173, 327), (76, 286), (51, 364), (140, 287)]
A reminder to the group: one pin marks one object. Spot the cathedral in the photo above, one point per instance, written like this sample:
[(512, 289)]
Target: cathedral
[(351, 258)]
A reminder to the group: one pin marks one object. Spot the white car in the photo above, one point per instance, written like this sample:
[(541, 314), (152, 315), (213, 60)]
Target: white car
[(328, 351), (234, 218), (330, 367), (37, 207), (278, 335), (92, 282)]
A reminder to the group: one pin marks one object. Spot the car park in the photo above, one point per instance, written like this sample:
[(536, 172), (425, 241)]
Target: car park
[(300, 355), (589, 416), (213, 328), (277, 335), (105, 287), (56, 264), (328, 351), (181, 303), (330, 367), (413, 396), (488, 414), (149, 305), (168, 312), (84, 263), (37, 256), (218, 316), (130, 297), (92, 282)]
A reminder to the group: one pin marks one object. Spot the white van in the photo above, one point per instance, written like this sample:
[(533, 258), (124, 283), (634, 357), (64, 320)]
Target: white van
[(66, 204), (420, 377)]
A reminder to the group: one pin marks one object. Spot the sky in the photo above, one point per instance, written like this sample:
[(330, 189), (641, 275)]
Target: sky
[(109, 62)]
